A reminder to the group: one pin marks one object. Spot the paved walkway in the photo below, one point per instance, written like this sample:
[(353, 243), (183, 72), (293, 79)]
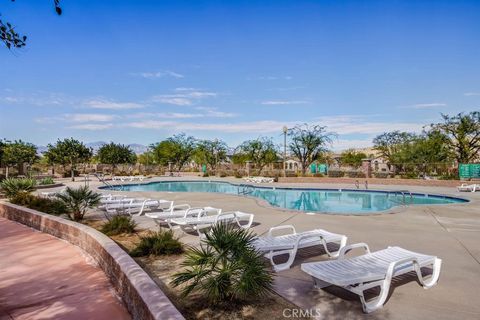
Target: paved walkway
[(42, 277)]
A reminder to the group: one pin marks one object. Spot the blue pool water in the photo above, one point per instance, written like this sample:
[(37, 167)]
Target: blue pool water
[(308, 200)]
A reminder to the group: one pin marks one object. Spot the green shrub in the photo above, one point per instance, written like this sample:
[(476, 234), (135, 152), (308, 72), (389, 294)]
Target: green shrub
[(318, 175), (225, 267), (237, 175), (336, 173), (158, 243), (409, 175), (119, 224), (46, 181), (78, 201), (205, 174), (381, 174), (355, 174), (50, 206), (12, 186)]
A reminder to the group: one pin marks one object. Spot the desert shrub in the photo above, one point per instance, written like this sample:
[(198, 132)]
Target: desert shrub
[(237, 174), (119, 224), (336, 173), (78, 201), (13, 186), (355, 174), (50, 206), (46, 181), (222, 174), (205, 174), (409, 175), (381, 174), (318, 175), (158, 243), (225, 267)]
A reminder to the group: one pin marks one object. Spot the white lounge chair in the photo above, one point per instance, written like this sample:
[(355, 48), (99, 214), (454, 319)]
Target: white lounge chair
[(136, 207), (289, 244), (468, 187), (376, 269), (175, 211), (211, 216), (104, 203)]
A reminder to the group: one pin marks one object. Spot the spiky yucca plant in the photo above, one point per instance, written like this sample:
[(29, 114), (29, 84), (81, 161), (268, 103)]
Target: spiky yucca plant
[(13, 186), (78, 201), (225, 267)]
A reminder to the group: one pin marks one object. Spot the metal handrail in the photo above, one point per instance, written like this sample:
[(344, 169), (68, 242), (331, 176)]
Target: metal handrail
[(403, 193), (101, 179)]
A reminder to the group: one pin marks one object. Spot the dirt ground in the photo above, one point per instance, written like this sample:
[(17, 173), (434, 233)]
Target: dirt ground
[(162, 268)]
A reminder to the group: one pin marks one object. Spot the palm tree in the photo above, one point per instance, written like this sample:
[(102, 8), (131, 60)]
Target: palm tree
[(78, 201), (225, 267)]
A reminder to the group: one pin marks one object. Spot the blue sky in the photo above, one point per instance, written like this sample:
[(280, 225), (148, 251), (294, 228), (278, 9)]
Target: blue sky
[(139, 71)]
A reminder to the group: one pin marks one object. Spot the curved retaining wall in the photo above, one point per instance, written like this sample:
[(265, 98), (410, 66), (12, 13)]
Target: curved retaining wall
[(142, 297)]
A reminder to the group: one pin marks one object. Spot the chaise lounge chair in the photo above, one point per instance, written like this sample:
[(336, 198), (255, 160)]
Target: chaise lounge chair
[(376, 269), (290, 243), (211, 216), (136, 207), (175, 211), (468, 187)]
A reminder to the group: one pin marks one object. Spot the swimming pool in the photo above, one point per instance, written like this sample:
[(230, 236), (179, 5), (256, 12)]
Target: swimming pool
[(308, 200)]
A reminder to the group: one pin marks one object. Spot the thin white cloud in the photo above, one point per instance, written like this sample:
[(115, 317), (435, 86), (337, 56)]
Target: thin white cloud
[(36, 98), (283, 102), (90, 117), (206, 113), (344, 144), (256, 126), (274, 78), (469, 94), (172, 99), (183, 96), (112, 105), (159, 74), (78, 117), (92, 126), (425, 105), (354, 124)]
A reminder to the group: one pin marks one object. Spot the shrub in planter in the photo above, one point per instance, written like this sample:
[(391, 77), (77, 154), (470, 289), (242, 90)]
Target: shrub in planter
[(50, 206), (381, 174), (119, 224), (46, 181), (336, 173), (158, 243), (355, 174), (226, 267), (78, 201), (13, 186)]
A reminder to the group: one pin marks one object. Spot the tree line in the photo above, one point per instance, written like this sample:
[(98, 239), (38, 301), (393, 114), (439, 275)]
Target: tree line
[(456, 139)]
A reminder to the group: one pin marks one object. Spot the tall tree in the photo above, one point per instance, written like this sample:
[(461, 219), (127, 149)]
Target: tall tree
[(352, 158), (17, 153), (308, 143), (115, 154), (10, 37), (2, 145), (389, 145), (68, 152), (211, 152), (178, 150), (260, 152), (463, 135)]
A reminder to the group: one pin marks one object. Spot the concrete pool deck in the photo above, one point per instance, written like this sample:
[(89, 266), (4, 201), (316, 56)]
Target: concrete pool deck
[(42, 277), (451, 232)]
